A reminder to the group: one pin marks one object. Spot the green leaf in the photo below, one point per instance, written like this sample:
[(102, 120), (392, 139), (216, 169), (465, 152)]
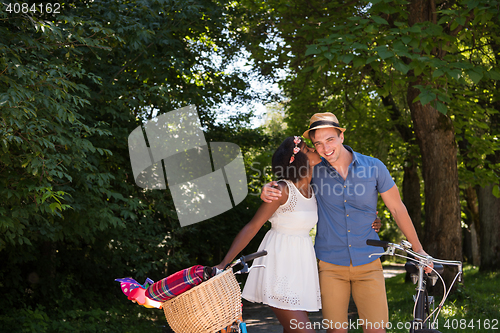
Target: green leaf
[(443, 19), (402, 67), (418, 68), (359, 46), (55, 205), (426, 97), (472, 4), (358, 62), (494, 74), (379, 20), (384, 54), (475, 76), (406, 39), (444, 98), (455, 74), (312, 49), (347, 58), (415, 29), (5, 98), (441, 107), (437, 73), (371, 29), (496, 191), (461, 20)]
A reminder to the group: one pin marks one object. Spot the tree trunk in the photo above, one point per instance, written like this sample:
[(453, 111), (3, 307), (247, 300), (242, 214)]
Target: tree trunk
[(471, 239), (435, 137), (489, 206), (489, 217), (411, 179), (474, 225), (476, 250), (411, 195)]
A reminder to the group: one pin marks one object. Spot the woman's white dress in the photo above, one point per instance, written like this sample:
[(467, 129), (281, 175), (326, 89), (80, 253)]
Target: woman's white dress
[(290, 280)]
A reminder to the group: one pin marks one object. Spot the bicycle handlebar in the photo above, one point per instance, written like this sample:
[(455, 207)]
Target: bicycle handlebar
[(243, 260), (411, 267), (374, 242), (253, 256), (421, 261), (406, 247)]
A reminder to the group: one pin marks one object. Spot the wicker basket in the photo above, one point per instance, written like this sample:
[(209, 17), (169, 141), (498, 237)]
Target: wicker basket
[(206, 308)]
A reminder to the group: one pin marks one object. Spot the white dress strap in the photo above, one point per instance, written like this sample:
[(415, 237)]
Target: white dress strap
[(291, 202)]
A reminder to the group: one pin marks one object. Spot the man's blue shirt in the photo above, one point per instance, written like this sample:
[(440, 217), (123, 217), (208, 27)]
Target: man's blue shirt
[(347, 209)]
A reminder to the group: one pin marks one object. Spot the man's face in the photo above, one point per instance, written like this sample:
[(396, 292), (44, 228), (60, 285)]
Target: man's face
[(328, 143)]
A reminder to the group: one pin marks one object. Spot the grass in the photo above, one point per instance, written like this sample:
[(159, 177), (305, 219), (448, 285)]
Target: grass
[(474, 307)]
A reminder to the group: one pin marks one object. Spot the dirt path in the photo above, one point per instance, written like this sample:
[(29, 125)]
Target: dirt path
[(259, 318)]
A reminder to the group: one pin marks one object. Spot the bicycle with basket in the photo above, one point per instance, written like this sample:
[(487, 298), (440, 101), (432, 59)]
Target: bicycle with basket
[(424, 314), (212, 306)]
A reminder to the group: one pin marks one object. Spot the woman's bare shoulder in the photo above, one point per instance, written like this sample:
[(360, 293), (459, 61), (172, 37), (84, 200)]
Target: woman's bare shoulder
[(283, 187)]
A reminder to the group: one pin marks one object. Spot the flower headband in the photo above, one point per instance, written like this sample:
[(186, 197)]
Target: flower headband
[(296, 140)]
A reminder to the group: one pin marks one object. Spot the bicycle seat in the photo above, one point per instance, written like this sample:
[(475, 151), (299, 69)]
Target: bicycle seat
[(411, 267)]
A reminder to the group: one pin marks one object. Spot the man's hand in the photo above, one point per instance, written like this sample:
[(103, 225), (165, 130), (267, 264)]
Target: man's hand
[(270, 192), (426, 269)]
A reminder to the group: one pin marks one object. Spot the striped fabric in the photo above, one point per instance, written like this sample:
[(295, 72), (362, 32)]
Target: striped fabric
[(176, 284)]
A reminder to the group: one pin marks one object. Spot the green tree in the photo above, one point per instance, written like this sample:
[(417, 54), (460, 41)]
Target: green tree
[(72, 88)]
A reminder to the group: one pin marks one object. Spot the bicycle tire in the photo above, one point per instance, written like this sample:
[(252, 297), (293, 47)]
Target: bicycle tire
[(427, 330)]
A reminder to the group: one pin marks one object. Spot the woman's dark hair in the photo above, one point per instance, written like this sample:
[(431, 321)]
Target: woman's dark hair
[(282, 167)]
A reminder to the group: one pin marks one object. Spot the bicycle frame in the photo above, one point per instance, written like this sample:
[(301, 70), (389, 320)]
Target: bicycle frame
[(421, 310)]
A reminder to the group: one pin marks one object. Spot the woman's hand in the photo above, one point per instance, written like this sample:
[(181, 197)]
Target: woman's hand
[(220, 266), (377, 224)]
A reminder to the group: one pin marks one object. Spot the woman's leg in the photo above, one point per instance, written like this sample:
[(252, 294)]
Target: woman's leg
[(294, 321)]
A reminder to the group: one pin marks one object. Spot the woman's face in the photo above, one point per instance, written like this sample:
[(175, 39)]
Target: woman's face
[(311, 153)]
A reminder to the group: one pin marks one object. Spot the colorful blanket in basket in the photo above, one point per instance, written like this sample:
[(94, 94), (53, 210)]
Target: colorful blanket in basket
[(136, 292), (178, 283)]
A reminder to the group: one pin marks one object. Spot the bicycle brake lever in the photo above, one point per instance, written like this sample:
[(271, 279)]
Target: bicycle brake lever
[(243, 270), (256, 266), (378, 254), (388, 251), (246, 269)]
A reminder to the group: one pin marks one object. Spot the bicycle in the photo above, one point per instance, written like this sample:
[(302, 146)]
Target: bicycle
[(415, 266), (213, 306)]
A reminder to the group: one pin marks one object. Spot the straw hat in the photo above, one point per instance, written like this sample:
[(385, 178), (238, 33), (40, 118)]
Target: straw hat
[(322, 120)]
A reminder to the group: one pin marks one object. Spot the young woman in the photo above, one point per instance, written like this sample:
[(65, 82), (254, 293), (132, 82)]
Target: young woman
[(289, 284)]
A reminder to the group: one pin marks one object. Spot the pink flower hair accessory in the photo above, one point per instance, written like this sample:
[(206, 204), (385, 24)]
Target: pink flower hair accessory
[(296, 140)]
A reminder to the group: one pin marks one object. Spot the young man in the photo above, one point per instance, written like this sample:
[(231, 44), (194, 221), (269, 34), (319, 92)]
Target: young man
[(346, 185)]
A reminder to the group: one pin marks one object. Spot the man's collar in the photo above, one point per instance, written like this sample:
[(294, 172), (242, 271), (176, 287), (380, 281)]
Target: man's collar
[(354, 154)]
